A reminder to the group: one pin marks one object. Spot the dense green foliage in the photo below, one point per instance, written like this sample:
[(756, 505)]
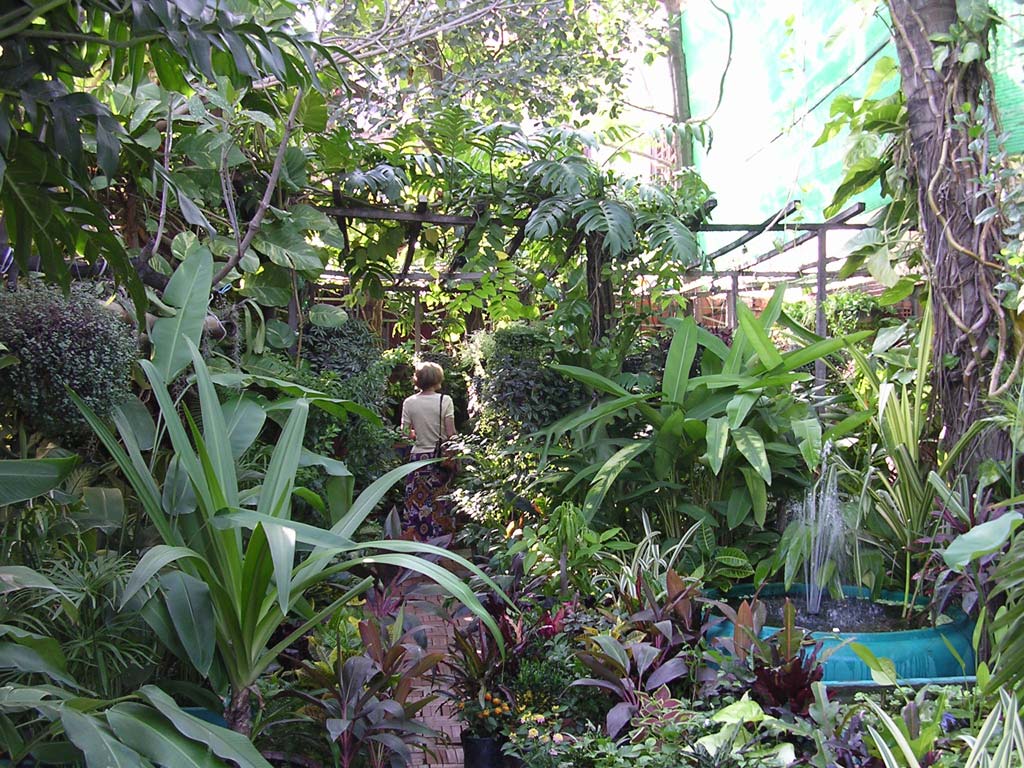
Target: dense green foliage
[(350, 349), (516, 389), (62, 342), (555, 62), (347, 363), (846, 312)]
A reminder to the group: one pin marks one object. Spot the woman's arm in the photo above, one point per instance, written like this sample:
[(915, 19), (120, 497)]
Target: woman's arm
[(407, 427), (449, 417)]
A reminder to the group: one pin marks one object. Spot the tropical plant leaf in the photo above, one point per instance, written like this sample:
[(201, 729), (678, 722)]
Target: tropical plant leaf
[(190, 609), (672, 239), (98, 744), (681, 353), (758, 494), (150, 564), (550, 215), (798, 358), (15, 577), (145, 731), (667, 445), (224, 743), (188, 291), (104, 510), (983, 539), (808, 434), (738, 507), (327, 316), (757, 337), (611, 219), (24, 479), (607, 475), (35, 659), (751, 445), (717, 441), (371, 496), (244, 419), (739, 407), (216, 438), (592, 379)]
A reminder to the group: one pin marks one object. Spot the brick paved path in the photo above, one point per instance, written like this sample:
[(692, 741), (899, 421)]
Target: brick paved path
[(439, 714)]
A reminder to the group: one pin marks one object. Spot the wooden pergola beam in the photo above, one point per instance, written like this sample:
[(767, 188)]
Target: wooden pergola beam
[(840, 218), (716, 287), (382, 214), (794, 227), (752, 230)]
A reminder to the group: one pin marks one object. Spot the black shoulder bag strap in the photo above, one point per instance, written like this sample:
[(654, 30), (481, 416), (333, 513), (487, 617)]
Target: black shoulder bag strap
[(440, 426)]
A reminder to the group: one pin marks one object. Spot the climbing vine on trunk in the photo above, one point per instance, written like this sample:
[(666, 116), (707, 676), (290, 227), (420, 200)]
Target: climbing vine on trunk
[(943, 47)]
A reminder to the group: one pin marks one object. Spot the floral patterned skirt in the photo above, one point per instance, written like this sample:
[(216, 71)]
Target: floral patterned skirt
[(427, 514)]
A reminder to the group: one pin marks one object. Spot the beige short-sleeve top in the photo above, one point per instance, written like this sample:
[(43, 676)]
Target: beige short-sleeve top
[(424, 413)]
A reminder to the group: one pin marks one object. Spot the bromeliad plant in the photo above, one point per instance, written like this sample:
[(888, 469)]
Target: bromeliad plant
[(229, 592), (710, 447)]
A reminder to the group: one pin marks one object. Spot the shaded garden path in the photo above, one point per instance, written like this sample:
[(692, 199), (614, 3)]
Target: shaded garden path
[(440, 713)]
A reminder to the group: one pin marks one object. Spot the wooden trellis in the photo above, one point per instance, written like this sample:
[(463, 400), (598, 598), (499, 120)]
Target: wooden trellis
[(409, 281)]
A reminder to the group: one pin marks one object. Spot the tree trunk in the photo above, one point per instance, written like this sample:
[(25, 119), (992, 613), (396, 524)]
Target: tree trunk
[(238, 714), (683, 144), (599, 289), (971, 338)]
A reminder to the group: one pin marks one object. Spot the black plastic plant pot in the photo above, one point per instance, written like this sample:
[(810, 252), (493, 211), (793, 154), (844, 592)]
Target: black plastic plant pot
[(481, 751)]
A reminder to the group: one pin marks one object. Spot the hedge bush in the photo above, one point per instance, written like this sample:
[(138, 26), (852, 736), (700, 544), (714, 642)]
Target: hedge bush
[(349, 350), (63, 341), (515, 388)]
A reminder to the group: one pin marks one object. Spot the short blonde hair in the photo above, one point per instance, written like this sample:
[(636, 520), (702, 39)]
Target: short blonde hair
[(428, 375)]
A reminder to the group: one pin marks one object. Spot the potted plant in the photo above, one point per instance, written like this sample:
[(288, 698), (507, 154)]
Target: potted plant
[(487, 719), (476, 669)]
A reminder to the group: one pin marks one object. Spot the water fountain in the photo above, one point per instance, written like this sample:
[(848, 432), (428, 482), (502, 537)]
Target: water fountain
[(822, 517), (941, 653)]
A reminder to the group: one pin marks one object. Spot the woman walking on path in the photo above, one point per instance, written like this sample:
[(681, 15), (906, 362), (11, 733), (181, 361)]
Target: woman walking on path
[(429, 417)]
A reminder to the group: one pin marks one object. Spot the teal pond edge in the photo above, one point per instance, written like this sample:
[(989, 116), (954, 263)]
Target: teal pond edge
[(921, 656)]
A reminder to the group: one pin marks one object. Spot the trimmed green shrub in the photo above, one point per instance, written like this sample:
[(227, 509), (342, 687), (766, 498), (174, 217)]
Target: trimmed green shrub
[(349, 350), (516, 390), (63, 341)]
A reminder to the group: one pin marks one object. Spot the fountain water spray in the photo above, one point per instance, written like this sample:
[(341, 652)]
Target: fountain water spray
[(822, 518)]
